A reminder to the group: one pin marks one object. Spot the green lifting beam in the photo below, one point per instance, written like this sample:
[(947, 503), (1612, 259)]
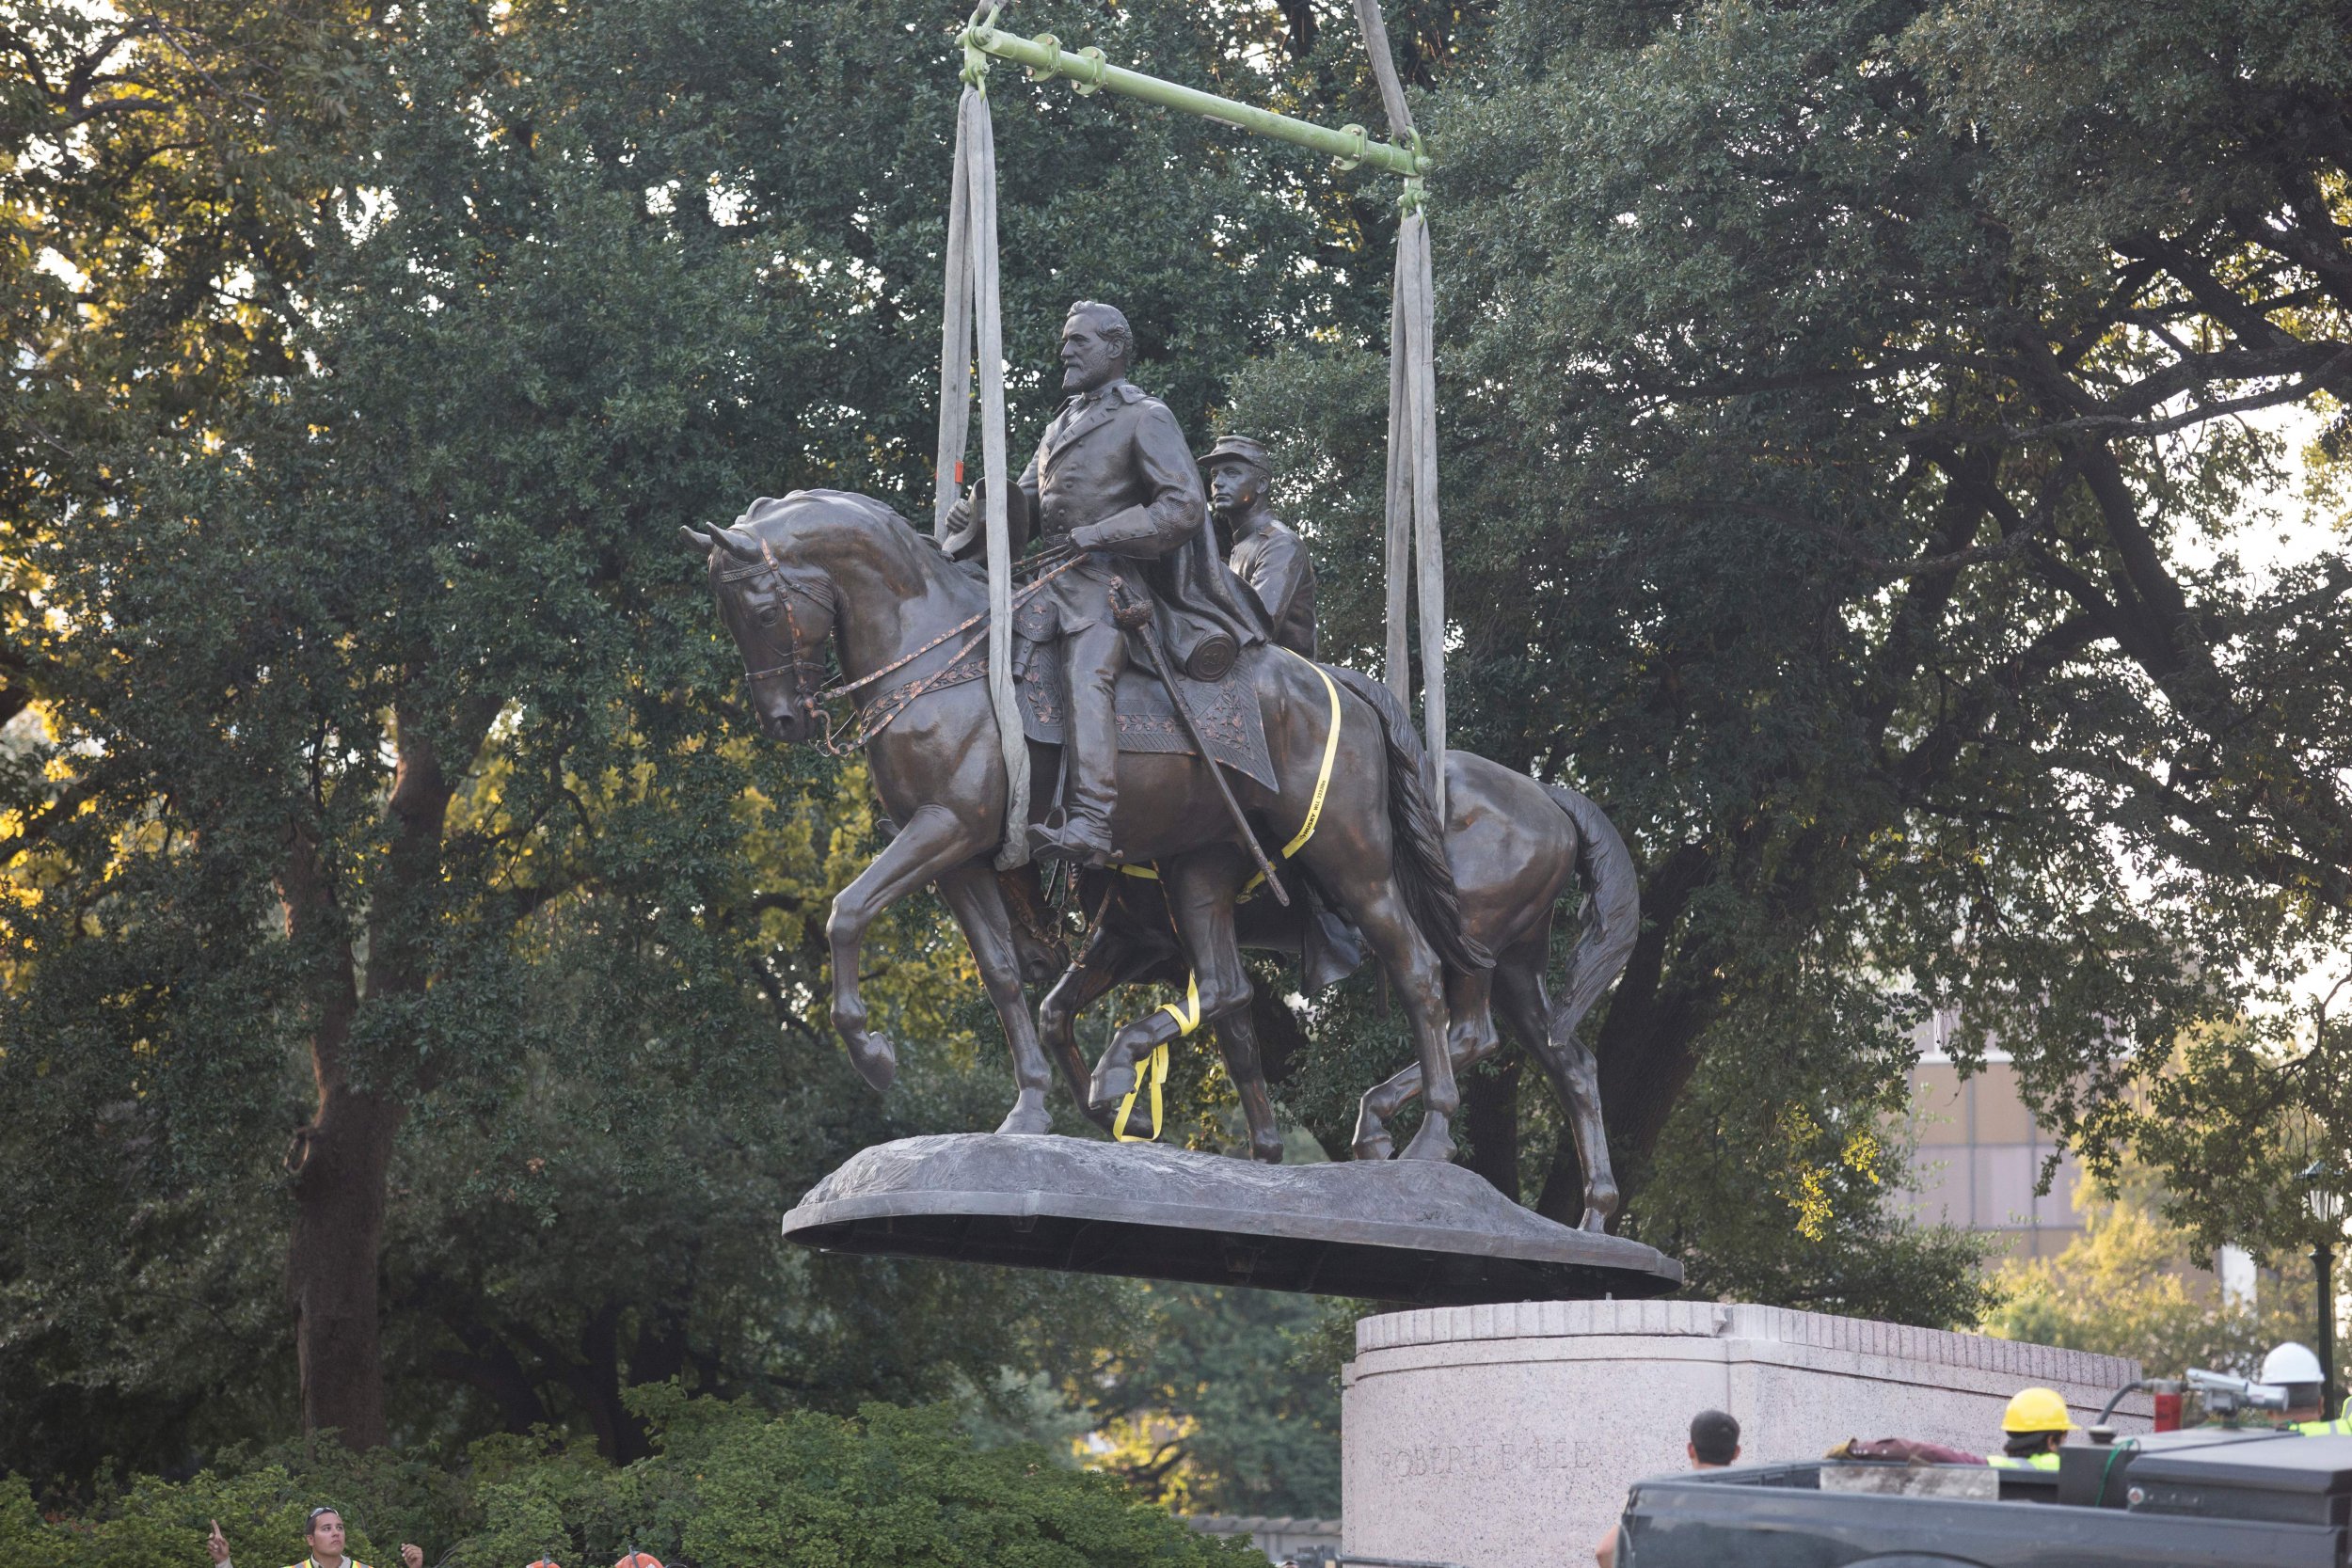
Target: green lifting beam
[(1046, 59)]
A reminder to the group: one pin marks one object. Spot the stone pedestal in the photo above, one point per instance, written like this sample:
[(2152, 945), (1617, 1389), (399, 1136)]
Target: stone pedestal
[(1494, 1436)]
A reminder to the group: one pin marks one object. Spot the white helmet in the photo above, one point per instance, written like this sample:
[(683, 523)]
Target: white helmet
[(2290, 1362)]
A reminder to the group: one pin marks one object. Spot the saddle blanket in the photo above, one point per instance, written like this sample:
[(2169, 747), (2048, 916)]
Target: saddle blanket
[(1227, 710)]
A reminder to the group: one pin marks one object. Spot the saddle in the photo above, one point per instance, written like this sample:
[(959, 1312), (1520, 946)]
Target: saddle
[(1226, 709)]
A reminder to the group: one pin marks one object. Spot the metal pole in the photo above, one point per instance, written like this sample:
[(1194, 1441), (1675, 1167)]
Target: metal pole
[(1045, 56), (2324, 1273)]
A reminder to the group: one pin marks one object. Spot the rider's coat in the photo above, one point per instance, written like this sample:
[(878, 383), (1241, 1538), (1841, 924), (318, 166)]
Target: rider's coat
[(1114, 476), (1273, 562)]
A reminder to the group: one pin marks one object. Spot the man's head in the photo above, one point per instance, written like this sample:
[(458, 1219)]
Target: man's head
[(1096, 346), (1714, 1440), (324, 1531), (2035, 1422), (2295, 1369), (1235, 475)]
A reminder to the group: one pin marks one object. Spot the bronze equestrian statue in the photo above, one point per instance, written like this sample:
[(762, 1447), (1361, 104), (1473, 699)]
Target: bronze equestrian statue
[(1351, 784), (819, 566)]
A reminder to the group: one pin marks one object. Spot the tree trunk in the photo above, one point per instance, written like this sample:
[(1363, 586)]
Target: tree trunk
[(332, 1265), (338, 1162), (341, 1161)]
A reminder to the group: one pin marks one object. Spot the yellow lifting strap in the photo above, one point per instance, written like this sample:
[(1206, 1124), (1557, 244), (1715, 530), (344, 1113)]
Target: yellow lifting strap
[(1154, 1073), (1314, 803), (1323, 786)]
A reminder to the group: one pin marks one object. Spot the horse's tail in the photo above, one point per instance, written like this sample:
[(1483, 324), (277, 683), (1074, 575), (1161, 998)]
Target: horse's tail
[(1424, 875), (1600, 954)]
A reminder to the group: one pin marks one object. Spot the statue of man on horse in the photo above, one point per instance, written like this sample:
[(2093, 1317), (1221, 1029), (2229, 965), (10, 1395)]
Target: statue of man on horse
[(1124, 569)]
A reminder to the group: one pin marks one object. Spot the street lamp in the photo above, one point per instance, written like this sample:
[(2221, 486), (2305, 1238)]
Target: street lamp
[(2327, 1207)]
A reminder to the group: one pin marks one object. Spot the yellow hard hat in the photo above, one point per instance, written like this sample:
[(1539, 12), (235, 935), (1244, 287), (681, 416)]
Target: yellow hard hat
[(2037, 1410)]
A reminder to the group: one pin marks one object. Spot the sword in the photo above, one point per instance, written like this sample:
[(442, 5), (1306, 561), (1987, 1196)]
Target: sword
[(1135, 614)]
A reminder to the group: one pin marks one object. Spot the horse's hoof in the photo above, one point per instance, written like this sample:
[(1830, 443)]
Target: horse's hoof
[(1377, 1147), (1600, 1206), (1267, 1150), (1432, 1142), (1027, 1114), (875, 1060), (1109, 1086)]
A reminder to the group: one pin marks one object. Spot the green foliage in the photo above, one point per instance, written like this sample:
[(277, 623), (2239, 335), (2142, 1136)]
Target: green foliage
[(727, 1483), (1847, 452), (260, 1501), (2126, 1287), (1830, 1233), (1210, 1407)]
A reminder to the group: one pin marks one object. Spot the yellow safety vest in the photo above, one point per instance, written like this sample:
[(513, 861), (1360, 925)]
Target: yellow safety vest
[(2340, 1427), (2023, 1461)]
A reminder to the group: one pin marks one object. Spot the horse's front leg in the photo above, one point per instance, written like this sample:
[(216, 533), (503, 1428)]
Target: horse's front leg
[(1099, 966), (973, 891), (933, 841), (1202, 889)]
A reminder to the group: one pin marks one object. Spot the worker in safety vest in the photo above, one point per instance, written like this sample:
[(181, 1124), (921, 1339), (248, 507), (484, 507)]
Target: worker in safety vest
[(2295, 1369), (2035, 1424)]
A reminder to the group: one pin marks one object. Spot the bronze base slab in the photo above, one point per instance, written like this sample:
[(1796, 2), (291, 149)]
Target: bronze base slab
[(1414, 1231)]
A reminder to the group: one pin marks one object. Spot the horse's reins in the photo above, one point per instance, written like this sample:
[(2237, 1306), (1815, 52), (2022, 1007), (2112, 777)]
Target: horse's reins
[(878, 716)]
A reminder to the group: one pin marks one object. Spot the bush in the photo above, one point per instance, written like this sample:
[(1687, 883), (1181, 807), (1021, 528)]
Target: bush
[(727, 1486)]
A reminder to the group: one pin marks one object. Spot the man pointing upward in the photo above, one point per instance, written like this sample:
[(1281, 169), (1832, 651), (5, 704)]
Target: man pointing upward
[(324, 1533)]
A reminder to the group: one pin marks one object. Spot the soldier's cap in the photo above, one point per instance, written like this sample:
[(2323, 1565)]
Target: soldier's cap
[(1238, 449)]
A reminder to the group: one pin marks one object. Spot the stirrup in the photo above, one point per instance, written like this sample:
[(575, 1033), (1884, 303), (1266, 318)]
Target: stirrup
[(1070, 842)]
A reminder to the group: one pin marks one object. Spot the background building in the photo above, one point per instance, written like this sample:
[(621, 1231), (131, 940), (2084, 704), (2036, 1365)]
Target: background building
[(1978, 1152)]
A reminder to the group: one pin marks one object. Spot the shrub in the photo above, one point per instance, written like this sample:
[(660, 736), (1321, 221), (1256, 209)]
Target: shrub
[(727, 1486)]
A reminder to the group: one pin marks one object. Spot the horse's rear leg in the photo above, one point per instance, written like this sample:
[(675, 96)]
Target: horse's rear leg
[(933, 841), (1525, 1003), (1419, 981), (972, 891), (1470, 1038)]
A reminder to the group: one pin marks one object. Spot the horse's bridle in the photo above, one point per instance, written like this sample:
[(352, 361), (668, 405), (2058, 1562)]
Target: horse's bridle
[(808, 669)]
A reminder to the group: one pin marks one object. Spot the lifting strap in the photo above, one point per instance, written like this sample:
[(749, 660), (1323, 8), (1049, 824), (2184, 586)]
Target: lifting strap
[(973, 309), (1412, 488), (1305, 828)]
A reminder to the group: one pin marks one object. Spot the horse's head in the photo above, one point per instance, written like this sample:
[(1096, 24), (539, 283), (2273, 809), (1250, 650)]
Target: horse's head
[(781, 618)]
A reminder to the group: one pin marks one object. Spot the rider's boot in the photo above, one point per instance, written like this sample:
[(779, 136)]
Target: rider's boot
[(1081, 839), (1093, 656)]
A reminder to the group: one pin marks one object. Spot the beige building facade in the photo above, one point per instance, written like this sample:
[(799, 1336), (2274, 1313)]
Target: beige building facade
[(1978, 1154)]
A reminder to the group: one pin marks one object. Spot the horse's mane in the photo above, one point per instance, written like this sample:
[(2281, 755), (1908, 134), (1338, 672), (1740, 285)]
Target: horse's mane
[(772, 509), (772, 517)]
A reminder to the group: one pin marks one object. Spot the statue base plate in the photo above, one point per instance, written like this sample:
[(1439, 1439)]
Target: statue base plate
[(1415, 1231)]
